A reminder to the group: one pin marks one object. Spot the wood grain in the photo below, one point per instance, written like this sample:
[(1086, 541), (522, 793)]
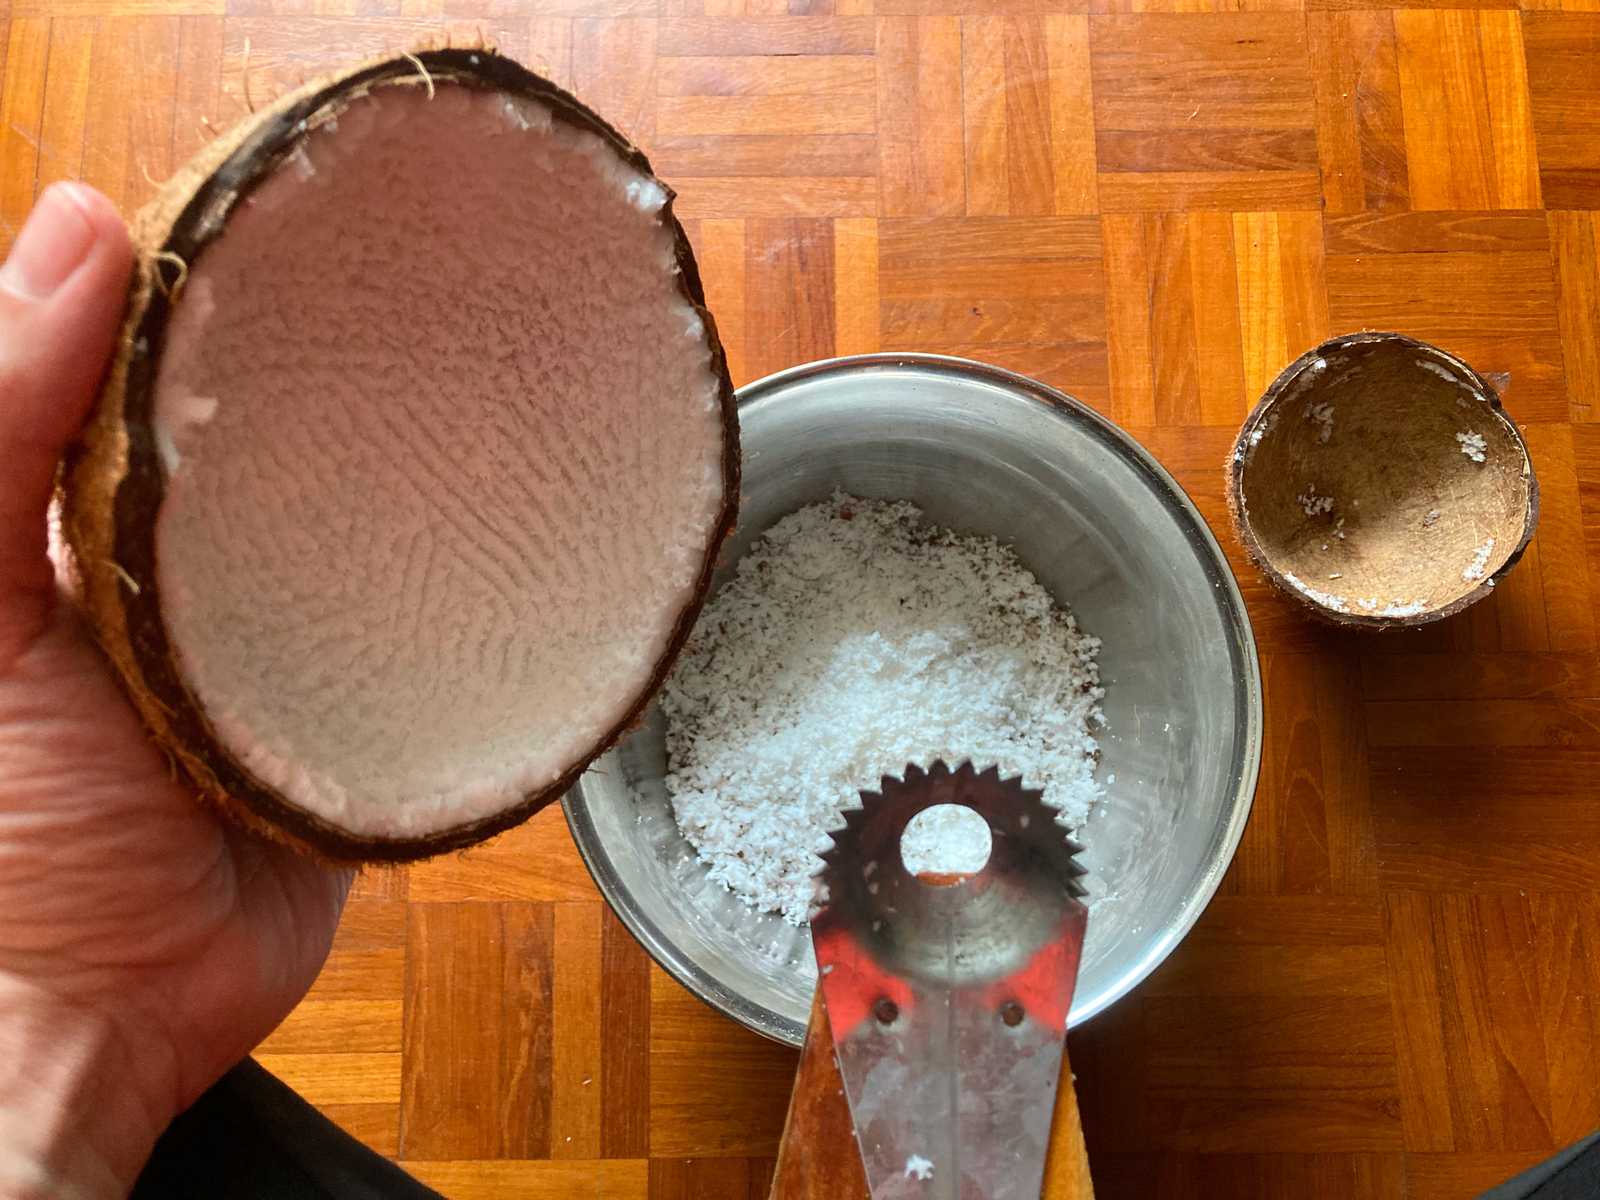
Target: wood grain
[(1021, 292), (1283, 298), (1468, 128), (1153, 205), (817, 1157), (1563, 84), (477, 1031), (626, 1022), (576, 1062), (22, 101), (1360, 120), (921, 153), (1496, 309), (1573, 239)]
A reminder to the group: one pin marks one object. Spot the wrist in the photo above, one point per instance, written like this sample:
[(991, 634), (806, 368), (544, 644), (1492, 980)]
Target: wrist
[(74, 1124)]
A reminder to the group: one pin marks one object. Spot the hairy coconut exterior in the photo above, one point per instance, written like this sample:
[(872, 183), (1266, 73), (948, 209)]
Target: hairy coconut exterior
[(1379, 353), (114, 483)]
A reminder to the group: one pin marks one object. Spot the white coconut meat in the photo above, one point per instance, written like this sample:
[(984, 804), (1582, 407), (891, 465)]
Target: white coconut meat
[(443, 446)]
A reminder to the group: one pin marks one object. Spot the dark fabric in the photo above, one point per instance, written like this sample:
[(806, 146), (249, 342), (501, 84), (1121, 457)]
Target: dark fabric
[(252, 1138), (1574, 1174)]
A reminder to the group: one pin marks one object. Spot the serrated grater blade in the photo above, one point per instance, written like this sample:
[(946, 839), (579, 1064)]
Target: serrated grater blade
[(949, 1004)]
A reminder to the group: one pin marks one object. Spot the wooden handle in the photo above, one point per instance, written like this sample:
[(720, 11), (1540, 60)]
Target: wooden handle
[(1066, 1166), (818, 1159)]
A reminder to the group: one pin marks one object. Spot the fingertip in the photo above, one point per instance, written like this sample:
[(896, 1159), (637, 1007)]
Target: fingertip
[(63, 289), (112, 246), (95, 206)]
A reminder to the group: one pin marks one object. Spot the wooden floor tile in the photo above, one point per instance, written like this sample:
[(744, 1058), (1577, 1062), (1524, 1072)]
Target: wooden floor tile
[(1497, 309), (1360, 122), (332, 1080), (715, 1089), (577, 1075), (1281, 946), (1250, 1176), (535, 862), (1468, 126), (921, 163), (1152, 205), (369, 954), (1503, 822), (1178, 335), (614, 63), (1586, 460), (1193, 114), (857, 319), (626, 1022), (1493, 1012), (617, 1180), (477, 1031), (1237, 1073), (1454, 1176), (1311, 829), (1283, 297), (1023, 80), (1573, 238), (320, 1026), (702, 1178), (789, 271), (1564, 83), (1019, 292)]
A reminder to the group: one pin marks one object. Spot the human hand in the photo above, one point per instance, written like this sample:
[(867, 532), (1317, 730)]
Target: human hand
[(145, 946)]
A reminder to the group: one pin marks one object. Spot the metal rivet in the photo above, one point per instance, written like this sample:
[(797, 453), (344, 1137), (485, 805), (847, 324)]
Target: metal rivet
[(886, 1010), (1011, 1013)]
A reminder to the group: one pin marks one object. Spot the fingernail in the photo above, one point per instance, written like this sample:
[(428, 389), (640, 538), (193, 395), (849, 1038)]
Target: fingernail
[(54, 240)]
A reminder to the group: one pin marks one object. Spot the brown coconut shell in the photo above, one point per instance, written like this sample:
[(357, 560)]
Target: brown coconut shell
[(1415, 508), (114, 484)]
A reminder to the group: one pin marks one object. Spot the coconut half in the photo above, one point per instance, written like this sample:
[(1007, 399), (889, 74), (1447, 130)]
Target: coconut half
[(408, 481)]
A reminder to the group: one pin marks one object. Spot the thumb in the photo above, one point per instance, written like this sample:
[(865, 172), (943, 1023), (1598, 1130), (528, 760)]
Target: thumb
[(62, 292)]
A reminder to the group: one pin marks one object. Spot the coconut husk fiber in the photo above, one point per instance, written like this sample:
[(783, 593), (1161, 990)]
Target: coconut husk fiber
[(1353, 492)]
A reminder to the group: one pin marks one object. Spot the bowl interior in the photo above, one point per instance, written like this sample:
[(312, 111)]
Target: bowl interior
[(1380, 479), (1110, 535)]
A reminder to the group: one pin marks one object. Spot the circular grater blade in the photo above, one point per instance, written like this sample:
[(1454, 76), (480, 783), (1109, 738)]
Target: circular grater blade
[(949, 1004)]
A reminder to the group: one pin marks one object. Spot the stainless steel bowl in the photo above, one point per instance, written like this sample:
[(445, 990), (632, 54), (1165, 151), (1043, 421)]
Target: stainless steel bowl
[(1110, 534)]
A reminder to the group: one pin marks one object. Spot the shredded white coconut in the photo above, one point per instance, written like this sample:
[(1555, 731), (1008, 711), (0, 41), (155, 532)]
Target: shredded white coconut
[(1314, 504), (1322, 414), (919, 1168), (1326, 599), (854, 639), (1473, 446), (1479, 563), (1404, 608), (946, 839)]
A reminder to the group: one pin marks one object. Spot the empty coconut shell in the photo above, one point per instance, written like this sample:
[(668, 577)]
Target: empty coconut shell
[(1380, 483), (410, 474)]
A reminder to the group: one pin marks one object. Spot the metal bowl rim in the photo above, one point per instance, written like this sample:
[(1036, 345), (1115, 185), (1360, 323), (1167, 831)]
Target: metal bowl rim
[(1249, 708)]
